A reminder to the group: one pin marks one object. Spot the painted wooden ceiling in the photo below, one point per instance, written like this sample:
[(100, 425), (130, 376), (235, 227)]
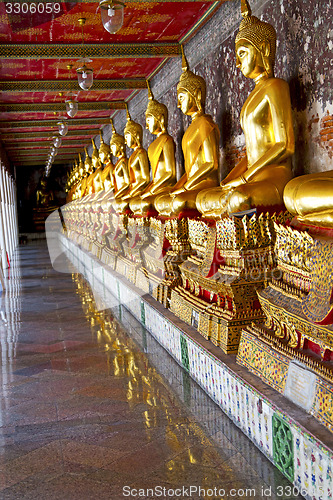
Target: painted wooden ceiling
[(36, 48)]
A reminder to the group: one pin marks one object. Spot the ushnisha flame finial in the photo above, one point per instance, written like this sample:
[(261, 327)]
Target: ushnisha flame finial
[(150, 94), (112, 126), (185, 66), (127, 112), (245, 8)]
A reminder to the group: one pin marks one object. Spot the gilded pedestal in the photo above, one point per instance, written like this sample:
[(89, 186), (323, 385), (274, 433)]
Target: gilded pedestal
[(233, 259), (298, 318)]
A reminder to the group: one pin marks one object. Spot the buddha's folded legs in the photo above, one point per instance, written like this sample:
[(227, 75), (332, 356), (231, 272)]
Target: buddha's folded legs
[(310, 198), (120, 205), (174, 205), (219, 201)]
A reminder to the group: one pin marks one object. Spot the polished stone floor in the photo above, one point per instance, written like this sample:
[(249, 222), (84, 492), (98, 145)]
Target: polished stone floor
[(95, 409)]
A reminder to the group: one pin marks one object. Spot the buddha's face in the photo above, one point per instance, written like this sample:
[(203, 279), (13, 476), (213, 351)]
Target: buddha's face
[(116, 149), (130, 140), (186, 102), (248, 59), (152, 124), (103, 156)]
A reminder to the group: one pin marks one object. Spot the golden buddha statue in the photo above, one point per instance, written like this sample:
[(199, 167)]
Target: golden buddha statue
[(44, 195), (259, 178), (121, 178), (98, 169), (199, 144), (138, 165), (161, 154), (83, 185), (310, 198), (105, 158), (89, 167)]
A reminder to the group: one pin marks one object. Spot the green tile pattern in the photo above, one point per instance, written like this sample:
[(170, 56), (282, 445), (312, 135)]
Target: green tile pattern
[(184, 353), (143, 313), (283, 450)]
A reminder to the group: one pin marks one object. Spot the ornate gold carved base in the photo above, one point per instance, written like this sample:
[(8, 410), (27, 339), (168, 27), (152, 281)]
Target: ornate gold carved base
[(169, 247), (218, 294), (97, 248), (212, 322), (39, 216), (109, 257), (258, 353), (133, 245)]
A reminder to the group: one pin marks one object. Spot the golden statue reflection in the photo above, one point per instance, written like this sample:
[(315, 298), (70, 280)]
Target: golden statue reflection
[(259, 178)]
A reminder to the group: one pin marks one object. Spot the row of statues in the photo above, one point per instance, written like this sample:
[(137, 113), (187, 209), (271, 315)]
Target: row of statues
[(261, 179)]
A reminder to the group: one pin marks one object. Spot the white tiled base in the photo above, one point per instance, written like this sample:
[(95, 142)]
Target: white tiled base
[(239, 400)]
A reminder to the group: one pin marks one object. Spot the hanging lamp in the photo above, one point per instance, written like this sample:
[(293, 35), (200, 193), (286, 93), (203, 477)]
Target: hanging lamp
[(84, 74), (72, 106), (112, 14)]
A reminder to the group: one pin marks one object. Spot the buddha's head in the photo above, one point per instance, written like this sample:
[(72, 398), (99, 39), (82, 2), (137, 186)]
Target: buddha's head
[(133, 132), (88, 163), (255, 45), (156, 115), (104, 150), (95, 156), (191, 90), (117, 143), (80, 165)]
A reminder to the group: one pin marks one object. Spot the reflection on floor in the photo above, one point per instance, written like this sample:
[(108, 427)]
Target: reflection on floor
[(94, 409)]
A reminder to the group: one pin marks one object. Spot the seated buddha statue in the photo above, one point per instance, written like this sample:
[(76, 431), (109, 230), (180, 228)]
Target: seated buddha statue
[(90, 189), (83, 185), (138, 165), (259, 178), (310, 198), (199, 144), (98, 169), (161, 154), (121, 178), (105, 158)]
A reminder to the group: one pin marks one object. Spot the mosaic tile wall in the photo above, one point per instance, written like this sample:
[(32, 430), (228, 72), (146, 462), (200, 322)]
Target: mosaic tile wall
[(311, 462)]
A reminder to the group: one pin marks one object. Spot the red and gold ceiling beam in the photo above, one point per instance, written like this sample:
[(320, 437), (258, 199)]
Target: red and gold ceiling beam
[(92, 51), (22, 136), (70, 85), (5, 124), (55, 106)]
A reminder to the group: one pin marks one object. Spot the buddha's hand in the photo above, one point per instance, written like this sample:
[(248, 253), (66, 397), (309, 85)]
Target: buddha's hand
[(233, 183), (177, 192)]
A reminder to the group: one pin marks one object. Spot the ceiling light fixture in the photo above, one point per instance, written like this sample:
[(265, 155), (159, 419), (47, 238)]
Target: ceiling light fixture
[(63, 128), (72, 106), (112, 14), (56, 141), (84, 74)]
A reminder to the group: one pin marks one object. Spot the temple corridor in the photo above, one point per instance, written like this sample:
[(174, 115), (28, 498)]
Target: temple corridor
[(91, 408)]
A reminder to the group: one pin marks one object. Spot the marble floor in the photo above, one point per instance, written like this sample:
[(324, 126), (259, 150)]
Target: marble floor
[(92, 408)]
